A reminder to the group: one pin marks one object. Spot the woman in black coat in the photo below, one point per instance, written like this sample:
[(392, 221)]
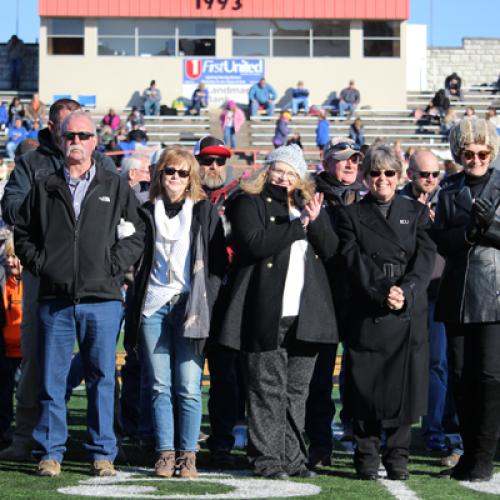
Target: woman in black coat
[(389, 257), (280, 308), (467, 232)]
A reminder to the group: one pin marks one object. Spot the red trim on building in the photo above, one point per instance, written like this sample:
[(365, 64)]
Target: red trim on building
[(260, 9)]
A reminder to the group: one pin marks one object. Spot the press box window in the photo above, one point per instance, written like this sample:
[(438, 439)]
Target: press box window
[(381, 39), (65, 36)]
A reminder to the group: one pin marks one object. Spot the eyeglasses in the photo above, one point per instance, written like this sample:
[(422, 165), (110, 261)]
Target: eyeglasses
[(206, 161), (83, 136), (482, 155), (378, 173), (287, 174), (426, 175), (172, 171), (342, 146)]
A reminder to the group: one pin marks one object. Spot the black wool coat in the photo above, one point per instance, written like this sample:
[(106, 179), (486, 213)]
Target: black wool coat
[(470, 286), (262, 238), (387, 351)]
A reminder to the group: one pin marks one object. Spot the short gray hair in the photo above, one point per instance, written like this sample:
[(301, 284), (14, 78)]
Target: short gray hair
[(381, 157), (78, 114), (130, 163), (476, 131)]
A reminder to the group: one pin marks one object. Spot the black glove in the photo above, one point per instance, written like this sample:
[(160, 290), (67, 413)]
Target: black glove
[(483, 213)]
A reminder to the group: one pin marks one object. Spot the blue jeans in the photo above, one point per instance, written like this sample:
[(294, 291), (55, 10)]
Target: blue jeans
[(95, 325), (254, 107), (432, 423), (175, 372), (346, 106), (230, 137), (151, 107), (300, 101)]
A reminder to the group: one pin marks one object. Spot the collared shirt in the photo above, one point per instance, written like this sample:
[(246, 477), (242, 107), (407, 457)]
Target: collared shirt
[(78, 187)]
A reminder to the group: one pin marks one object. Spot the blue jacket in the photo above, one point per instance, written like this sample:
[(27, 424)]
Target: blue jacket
[(263, 94), (4, 116), (323, 132)]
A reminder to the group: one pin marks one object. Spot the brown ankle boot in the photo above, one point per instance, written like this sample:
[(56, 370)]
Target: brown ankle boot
[(165, 465), (186, 465)]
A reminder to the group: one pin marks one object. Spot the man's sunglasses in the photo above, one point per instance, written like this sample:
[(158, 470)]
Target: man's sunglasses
[(378, 173), (173, 171), (482, 155), (426, 175), (206, 161), (83, 136)]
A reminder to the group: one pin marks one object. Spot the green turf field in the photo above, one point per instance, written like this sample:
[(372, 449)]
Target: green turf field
[(17, 480)]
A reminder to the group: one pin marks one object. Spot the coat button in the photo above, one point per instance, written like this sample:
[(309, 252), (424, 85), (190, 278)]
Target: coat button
[(374, 255), (269, 265), (269, 200), (376, 321), (402, 253), (272, 218), (316, 256)]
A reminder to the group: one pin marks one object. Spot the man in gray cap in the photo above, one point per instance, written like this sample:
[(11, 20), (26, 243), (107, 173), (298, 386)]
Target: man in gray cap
[(340, 186)]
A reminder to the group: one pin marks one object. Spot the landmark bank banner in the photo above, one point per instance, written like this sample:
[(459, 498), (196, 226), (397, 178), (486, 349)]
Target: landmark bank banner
[(225, 79)]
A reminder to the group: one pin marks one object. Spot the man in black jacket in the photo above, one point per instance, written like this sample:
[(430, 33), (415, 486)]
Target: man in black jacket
[(35, 165), (67, 234), (340, 186)]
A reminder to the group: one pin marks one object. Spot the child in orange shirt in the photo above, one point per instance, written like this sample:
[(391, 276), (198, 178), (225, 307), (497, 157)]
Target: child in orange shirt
[(10, 340)]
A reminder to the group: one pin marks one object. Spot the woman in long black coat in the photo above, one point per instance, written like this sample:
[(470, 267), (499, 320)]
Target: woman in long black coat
[(467, 232), (280, 308), (389, 257)]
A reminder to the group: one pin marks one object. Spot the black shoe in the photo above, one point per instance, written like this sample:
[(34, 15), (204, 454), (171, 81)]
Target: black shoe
[(278, 475), (222, 458), (453, 473), (402, 475), (367, 476), (305, 474), (319, 456)]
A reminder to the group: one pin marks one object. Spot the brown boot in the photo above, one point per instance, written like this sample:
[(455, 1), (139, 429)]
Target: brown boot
[(186, 465), (165, 465)]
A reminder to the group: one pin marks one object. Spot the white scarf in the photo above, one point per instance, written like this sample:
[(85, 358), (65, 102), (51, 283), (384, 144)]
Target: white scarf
[(170, 274)]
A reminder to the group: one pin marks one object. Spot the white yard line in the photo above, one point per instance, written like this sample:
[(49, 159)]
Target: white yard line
[(399, 490)]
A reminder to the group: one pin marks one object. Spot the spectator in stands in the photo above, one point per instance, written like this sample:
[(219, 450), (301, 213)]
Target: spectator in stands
[(231, 120), (261, 94), (322, 131), (349, 99), (16, 110), (470, 113), (300, 98), (152, 99), (282, 129), (17, 134), (35, 129), (278, 229), (199, 100), (36, 111), (174, 300), (439, 104), (135, 120), (357, 132), (111, 119), (15, 56), (46, 159), (466, 231), (4, 115), (88, 306), (136, 139), (453, 87), (449, 120), (340, 186), (450, 168), (493, 117), (295, 139), (386, 338), (10, 341)]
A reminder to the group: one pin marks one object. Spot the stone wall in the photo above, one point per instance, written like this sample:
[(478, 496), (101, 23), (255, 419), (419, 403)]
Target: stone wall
[(476, 62), (29, 74)]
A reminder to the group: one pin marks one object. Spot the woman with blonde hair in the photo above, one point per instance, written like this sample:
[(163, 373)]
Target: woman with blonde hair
[(467, 233), (280, 308), (176, 286)]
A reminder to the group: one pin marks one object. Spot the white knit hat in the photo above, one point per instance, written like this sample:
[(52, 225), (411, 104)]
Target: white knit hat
[(291, 155)]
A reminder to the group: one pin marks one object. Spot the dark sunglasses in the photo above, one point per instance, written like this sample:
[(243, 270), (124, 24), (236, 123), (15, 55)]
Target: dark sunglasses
[(426, 175), (206, 161), (378, 173), (482, 155), (342, 146), (173, 171), (83, 136)]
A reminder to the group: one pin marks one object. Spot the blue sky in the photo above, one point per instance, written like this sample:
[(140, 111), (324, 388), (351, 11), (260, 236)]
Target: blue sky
[(451, 20)]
